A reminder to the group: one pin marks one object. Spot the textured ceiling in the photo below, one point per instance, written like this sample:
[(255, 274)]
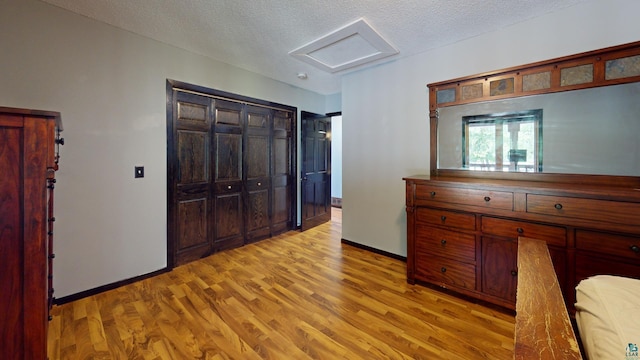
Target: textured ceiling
[(258, 35)]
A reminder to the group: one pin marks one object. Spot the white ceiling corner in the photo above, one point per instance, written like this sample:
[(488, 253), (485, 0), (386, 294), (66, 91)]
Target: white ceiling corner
[(352, 45)]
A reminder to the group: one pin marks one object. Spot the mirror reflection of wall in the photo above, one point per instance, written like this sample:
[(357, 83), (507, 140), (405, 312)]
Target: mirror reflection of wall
[(590, 131)]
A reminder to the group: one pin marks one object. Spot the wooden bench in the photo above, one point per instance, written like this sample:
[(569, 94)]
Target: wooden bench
[(543, 328)]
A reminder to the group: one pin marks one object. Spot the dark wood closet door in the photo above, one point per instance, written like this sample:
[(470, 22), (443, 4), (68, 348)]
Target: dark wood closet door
[(316, 170), (191, 172), (228, 224), (282, 182), (258, 172), (230, 171)]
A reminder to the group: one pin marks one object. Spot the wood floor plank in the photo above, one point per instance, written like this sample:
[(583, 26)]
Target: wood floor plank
[(299, 295)]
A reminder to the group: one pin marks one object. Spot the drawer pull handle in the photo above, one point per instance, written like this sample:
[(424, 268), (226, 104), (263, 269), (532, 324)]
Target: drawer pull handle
[(558, 206), (229, 187), (443, 269), (514, 273), (520, 230), (433, 193), (487, 199), (635, 248), (259, 184), (443, 218), (444, 242)]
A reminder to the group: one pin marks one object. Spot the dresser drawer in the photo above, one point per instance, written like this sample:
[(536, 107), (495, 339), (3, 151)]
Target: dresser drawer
[(445, 243), (589, 209), (553, 235), (617, 245), (444, 271), (474, 197), (446, 218), (587, 266)]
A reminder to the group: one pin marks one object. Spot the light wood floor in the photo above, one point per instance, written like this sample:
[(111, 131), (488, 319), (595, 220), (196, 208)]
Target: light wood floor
[(295, 296)]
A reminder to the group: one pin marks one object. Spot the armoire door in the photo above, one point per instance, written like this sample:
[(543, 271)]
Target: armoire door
[(257, 155), (228, 224), (189, 176)]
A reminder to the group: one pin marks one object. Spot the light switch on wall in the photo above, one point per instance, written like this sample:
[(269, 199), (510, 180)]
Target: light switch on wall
[(139, 173)]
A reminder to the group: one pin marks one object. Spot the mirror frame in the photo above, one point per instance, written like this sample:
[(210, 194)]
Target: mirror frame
[(550, 76)]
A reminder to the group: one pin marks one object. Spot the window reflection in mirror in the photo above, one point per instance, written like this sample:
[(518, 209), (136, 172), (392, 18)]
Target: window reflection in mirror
[(590, 131), (509, 141)]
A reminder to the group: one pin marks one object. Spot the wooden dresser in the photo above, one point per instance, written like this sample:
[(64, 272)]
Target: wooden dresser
[(28, 161), (462, 232)]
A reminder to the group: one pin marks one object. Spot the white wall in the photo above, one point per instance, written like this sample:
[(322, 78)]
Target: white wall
[(385, 109), (109, 86), (336, 156)]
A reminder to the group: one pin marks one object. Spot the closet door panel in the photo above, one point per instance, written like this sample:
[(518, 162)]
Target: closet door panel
[(282, 174), (257, 157), (191, 171), (281, 185), (193, 242), (258, 169), (228, 159), (228, 220), (257, 217), (193, 150)]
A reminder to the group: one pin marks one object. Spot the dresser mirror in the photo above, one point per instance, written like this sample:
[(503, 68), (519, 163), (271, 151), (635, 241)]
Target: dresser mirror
[(588, 131), (575, 115)]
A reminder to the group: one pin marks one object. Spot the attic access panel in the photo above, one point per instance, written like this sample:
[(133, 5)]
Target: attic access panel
[(350, 46)]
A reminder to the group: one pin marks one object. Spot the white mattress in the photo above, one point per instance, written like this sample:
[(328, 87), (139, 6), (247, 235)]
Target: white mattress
[(608, 317)]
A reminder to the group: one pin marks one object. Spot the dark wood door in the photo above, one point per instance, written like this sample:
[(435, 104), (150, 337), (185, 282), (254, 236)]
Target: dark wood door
[(257, 157), (228, 222), (190, 174), (499, 267), (316, 169), (230, 171), (283, 187)]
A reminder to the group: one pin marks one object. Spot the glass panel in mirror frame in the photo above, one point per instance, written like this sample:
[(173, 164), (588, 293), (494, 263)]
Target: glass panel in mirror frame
[(588, 131)]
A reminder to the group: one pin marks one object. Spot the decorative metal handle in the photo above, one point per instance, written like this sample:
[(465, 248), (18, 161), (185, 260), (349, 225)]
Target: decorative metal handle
[(259, 184), (520, 230), (229, 187), (514, 273), (635, 248), (433, 193), (487, 199), (443, 218), (558, 206), (443, 269), (443, 242)]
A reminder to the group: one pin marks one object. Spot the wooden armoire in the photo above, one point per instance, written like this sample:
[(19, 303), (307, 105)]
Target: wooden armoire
[(230, 171), (28, 161)]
